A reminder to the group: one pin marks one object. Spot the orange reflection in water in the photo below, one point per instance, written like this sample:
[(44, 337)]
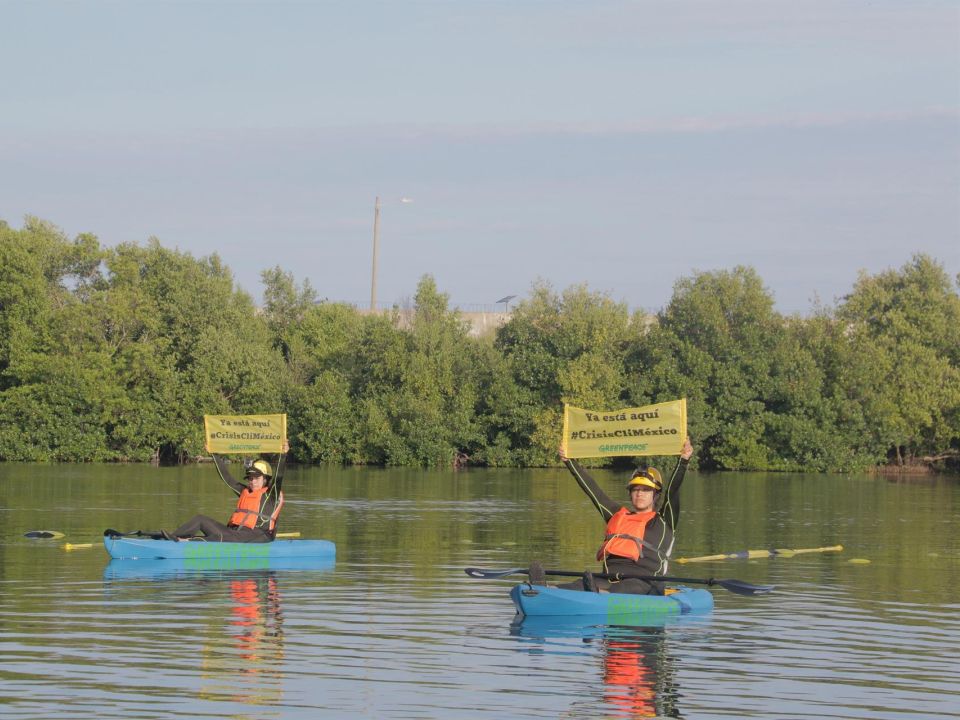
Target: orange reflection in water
[(257, 622), (629, 679)]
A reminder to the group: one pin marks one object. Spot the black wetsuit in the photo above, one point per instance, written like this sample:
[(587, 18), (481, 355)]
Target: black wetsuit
[(219, 532), (657, 537)]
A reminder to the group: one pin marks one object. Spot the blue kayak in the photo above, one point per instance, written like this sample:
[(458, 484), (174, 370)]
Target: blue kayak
[(146, 548), (545, 601)]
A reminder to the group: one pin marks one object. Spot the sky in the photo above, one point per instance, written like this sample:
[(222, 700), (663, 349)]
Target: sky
[(621, 145)]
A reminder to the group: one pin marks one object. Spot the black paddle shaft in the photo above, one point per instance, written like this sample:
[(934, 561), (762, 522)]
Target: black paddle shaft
[(626, 576), (736, 586)]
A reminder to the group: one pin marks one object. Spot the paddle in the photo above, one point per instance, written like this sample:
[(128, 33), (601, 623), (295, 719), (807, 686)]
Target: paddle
[(754, 554), (45, 534), (735, 586)]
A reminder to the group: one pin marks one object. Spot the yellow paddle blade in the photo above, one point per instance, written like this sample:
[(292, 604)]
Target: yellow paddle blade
[(288, 534), (703, 558), (755, 554), (791, 553), (79, 546)]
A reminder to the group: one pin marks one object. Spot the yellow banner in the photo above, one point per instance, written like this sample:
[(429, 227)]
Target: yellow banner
[(245, 434), (651, 430)]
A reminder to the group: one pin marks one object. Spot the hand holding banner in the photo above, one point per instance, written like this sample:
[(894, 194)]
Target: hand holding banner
[(651, 430), (245, 434)]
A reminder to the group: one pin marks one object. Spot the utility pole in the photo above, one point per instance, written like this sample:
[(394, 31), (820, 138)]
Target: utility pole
[(376, 247)]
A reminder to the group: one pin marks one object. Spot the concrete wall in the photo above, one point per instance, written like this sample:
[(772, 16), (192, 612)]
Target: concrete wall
[(486, 323), (481, 323)]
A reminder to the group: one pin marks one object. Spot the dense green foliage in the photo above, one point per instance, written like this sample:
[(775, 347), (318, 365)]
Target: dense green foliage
[(116, 354)]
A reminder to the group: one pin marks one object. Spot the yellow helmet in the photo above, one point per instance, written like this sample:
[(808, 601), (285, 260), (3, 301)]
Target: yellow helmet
[(260, 467), (646, 477)]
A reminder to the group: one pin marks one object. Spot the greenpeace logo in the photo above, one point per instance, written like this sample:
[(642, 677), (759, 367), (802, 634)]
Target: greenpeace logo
[(635, 447)]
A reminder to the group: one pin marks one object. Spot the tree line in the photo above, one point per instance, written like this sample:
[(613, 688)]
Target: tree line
[(115, 354)]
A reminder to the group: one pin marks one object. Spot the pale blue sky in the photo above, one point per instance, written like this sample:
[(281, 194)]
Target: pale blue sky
[(619, 144)]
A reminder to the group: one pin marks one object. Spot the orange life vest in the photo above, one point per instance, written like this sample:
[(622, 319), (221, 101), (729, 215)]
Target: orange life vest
[(250, 506), (625, 534)]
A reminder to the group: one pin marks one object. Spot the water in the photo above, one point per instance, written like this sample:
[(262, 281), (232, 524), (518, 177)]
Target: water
[(395, 629)]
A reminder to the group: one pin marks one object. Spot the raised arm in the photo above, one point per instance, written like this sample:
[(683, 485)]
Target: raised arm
[(279, 466), (670, 502), (224, 471), (601, 501)]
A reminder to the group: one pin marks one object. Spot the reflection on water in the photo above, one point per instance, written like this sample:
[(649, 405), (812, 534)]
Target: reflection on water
[(255, 626), (635, 669), (397, 630), (240, 642), (201, 569), (637, 675)]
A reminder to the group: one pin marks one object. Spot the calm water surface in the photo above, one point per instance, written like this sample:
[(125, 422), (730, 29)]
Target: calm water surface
[(395, 629)]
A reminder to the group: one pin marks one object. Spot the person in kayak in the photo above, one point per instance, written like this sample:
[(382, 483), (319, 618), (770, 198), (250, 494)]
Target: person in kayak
[(259, 501), (639, 537)]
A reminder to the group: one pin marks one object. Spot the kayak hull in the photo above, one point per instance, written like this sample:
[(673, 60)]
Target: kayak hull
[(145, 548), (546, 601)]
